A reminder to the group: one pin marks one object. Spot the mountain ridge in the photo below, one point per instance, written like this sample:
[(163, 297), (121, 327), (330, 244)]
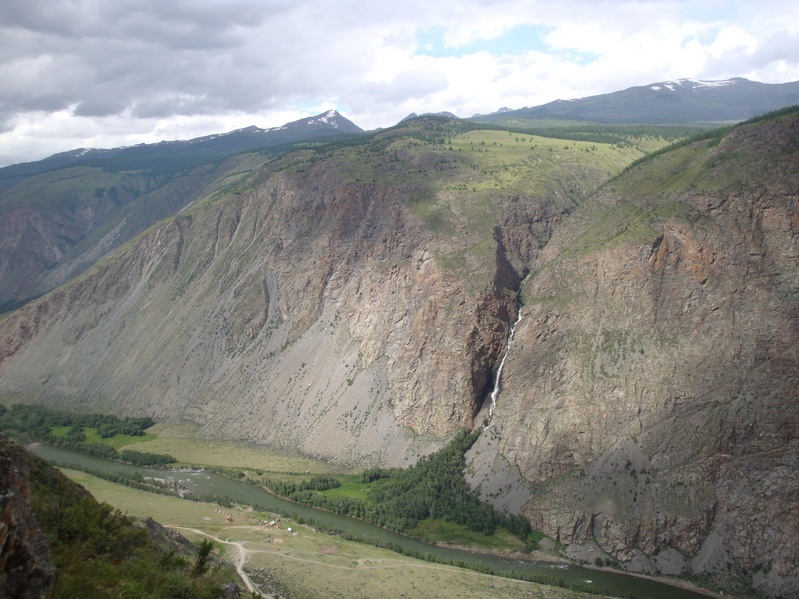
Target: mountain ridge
[(238, 140), (59, 215), (685, 272), (681, 100)]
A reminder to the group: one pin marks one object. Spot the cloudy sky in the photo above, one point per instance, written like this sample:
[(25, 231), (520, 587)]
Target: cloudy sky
[(106, 73)]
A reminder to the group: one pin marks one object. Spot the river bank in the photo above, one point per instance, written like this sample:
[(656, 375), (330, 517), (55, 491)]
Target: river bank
[(209, 483)]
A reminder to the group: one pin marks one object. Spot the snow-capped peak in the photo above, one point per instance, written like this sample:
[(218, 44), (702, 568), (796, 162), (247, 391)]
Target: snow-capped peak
[(328, 118), (691, 84)]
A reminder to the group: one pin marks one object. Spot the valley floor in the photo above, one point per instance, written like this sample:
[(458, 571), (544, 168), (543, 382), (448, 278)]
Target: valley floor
[(306, 563)]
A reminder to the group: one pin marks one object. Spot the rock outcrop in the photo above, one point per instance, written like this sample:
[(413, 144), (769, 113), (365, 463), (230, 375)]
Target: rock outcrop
[(651, 396), (26, 571), (312, 312)]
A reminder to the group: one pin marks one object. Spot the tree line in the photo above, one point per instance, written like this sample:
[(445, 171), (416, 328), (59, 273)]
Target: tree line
[(37, 418), (400, 499), (39, 422)]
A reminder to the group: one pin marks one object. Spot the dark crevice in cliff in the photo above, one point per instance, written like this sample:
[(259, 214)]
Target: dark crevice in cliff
[(506, 277), (485, 392), (506, 290)]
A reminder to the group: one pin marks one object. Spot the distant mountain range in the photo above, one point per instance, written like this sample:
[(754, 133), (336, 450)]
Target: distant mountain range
[(669, 102), (104, 197), (196, 151), (680, 101)]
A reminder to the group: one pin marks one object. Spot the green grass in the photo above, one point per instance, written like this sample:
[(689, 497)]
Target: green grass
[(351, 489), (443, 532), (117, 441), (183, 442), (647, 137), (528, 164)]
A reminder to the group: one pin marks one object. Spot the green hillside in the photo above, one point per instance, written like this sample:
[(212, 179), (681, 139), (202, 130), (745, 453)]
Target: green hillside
[(99, 552)]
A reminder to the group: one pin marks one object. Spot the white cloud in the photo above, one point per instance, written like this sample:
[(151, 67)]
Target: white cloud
[(105, 73), (487, 28)]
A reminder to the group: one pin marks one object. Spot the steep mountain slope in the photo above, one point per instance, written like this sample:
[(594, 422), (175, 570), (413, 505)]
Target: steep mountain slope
[(651, 396), (54, 226), (342, 302), (60, 215), (681, 101)]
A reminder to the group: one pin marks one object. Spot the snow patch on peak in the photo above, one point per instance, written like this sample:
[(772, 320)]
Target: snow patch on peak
[(722, 83), (691, 84), (328, 118)]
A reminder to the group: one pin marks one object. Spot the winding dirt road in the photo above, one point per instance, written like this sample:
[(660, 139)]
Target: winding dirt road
[(241, 557)]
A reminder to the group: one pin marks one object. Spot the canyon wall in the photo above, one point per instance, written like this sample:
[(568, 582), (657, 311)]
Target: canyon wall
[(651, 396), (353, 306), (309, 313)]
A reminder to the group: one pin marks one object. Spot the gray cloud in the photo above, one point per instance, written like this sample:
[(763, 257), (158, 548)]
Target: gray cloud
[(106, 57), (780, 46), (408, 85)]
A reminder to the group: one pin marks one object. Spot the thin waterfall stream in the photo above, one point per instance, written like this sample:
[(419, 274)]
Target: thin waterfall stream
[(498, 381)]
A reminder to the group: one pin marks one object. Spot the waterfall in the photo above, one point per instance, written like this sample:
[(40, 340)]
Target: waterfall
[(498, 381)]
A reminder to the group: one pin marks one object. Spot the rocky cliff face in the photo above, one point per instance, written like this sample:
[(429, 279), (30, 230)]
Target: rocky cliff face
[(26, 571), (353, 303), (314, 312), (651, 394)]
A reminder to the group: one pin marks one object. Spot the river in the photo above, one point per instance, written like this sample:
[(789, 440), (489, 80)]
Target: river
[(210, 483)]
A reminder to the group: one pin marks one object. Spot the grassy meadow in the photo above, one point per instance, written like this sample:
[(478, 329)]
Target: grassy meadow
[(92, 436), (181, 441)]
